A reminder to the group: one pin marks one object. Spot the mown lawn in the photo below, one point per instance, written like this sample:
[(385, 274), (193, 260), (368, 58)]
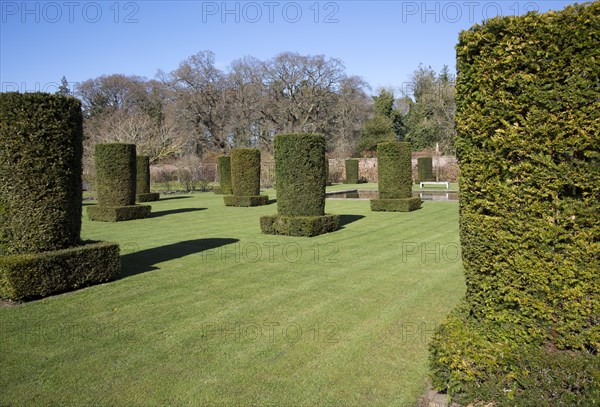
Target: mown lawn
[(209, 311)]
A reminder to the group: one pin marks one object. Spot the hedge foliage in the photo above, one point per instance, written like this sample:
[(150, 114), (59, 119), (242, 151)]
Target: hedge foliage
[(115, 174), (116, 179), (351, 171), (473, 360), (245, 171), (299, 225), (224, 168), (254, 200), (102, 213), (149, 197), (41, 147), (527, 141), (34, 275), (394, 166), (425, 169), (142, 182), (396, 205), (300, 174)]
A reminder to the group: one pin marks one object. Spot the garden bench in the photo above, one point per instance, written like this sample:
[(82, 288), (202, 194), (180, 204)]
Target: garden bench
[(446, 183)]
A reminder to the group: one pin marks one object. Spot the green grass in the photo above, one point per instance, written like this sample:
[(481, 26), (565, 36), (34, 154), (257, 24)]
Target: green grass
[(201, 316)]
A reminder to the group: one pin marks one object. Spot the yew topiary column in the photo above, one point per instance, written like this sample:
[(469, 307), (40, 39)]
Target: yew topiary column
[(527, 103), (425, 169), (142, 184), (224, 170), (116, 184), (351, 171), (300, 173), (395, 178), (245, 179), (41, 147)]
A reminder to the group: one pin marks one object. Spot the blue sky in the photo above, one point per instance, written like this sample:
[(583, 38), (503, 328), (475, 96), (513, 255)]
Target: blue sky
[(381, 41)]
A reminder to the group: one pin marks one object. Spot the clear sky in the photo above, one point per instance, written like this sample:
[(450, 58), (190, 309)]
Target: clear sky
[(381, 41)]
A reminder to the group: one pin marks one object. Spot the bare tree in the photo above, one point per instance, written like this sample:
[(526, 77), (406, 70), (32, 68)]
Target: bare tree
[(200, 92)]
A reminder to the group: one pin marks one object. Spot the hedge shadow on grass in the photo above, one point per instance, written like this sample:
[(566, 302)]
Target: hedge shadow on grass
[(145, 260), (174, 197), (347, 219), (174, 211)]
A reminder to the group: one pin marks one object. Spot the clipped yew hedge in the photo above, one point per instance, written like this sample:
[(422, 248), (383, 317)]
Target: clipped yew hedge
[(115, 173), (40, 172), (301, 176), (142, 183), (41, 148), (527, 141), (394, 166), (299, 225), (425, 169), (300, 173), (224, 169), (33, 275), (116, 184), (245, 178), (351, 171)]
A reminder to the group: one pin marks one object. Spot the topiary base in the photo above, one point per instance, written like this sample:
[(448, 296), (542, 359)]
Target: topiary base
[(118, 213), (35, 275), (466, 355), (299, 225), (254, 200), (149, 197), (396, 205)]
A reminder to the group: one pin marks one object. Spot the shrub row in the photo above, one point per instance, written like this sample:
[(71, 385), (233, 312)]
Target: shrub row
[(40, 172), (34, 275), (425, 169), (527, 143), (299, 225)]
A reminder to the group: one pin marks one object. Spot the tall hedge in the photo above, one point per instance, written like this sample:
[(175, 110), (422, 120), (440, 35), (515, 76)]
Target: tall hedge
[(300, 173), (351, 171), (245, 171), (394, 167), (41, 148), (528, 147), (142, 183), (425, 169), (224, 168), (40, 172), (115, 174)]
